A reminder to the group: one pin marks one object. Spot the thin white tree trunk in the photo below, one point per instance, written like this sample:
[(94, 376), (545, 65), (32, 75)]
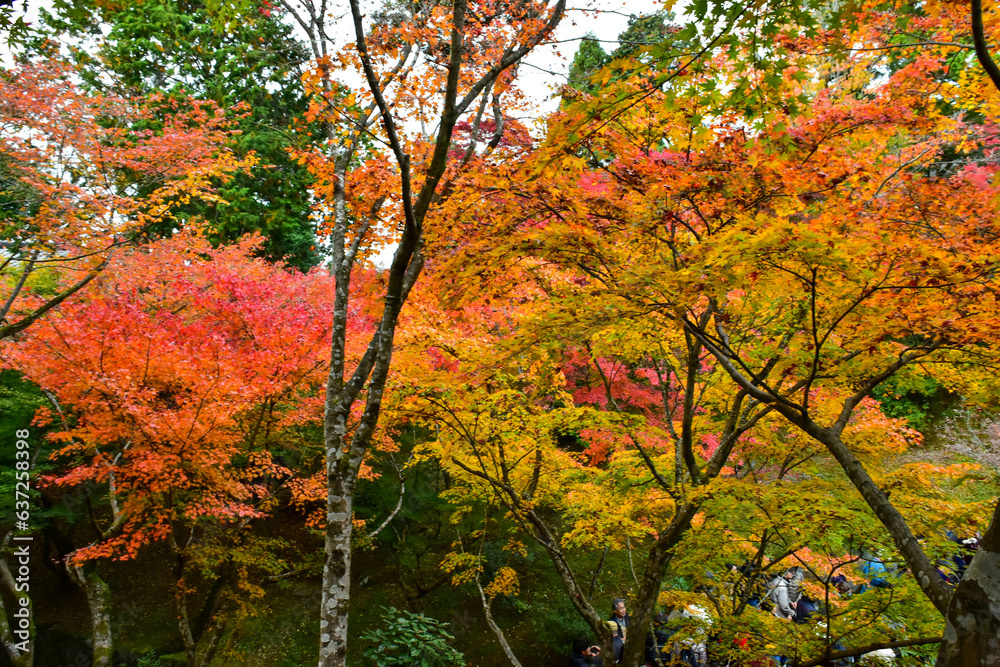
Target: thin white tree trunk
[(344, 452), (337, 566), (17, 628), (487, 604)]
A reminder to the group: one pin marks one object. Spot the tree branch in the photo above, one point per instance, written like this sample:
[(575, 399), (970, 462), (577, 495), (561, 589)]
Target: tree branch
[(982, 50), (854, 652)]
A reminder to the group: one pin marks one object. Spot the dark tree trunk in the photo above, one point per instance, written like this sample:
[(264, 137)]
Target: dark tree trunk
[(644, 607), (972, 626), (923, 570)]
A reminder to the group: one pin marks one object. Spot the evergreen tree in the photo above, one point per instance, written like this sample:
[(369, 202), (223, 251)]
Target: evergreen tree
[(589, 59), (643, 31)]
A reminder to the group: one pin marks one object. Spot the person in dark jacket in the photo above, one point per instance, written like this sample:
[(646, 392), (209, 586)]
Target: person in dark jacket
[(658, 644), (584, 654), (621, 619)]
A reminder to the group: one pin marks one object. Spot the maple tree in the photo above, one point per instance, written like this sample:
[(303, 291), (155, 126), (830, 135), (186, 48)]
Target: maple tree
[(423, 64), (13, 24), (737, 239), (582, 463), (83, 174), (916, 300), (648, 343), (565, 212), (170, 384)]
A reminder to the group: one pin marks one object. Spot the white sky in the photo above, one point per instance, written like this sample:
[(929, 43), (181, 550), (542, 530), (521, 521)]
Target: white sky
[(605, 18), (542, 71)]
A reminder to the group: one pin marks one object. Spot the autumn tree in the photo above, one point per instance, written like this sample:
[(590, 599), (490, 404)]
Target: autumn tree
[(683, 218), (81, 177), (911, 303), (530, 369), (183, 50), (425, 65), (829, 307), (864, 271), (684, 301), (574, 447), (170, 383)]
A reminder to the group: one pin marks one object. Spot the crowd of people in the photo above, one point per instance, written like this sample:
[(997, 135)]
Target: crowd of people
[(780, 594)]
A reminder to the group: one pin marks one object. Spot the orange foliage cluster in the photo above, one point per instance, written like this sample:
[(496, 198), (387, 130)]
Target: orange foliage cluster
[(171, 379), (89, 171)]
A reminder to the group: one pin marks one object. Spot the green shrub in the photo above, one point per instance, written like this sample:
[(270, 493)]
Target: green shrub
[(413, 640), (915, 398)]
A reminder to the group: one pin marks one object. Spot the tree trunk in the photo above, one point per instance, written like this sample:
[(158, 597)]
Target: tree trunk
[(218, 630), (649, 589), (99, 600), (180, 601), (344, 453), (17, 628), (21, 654), (337, 566), (508, 651), (972, 626), (184, 627), (920, 565)]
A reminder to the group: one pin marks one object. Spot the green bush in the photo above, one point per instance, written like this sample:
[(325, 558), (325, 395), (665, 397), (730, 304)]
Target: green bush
[(915, 398), (413, 640)]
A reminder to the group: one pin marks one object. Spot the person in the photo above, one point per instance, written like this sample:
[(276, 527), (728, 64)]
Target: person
[(692, 651), (585, 654), (845, 587), (873, 568), (803, 606), (778, 594), (658, 644), (805, 609), (621, 619), (794, 576)]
